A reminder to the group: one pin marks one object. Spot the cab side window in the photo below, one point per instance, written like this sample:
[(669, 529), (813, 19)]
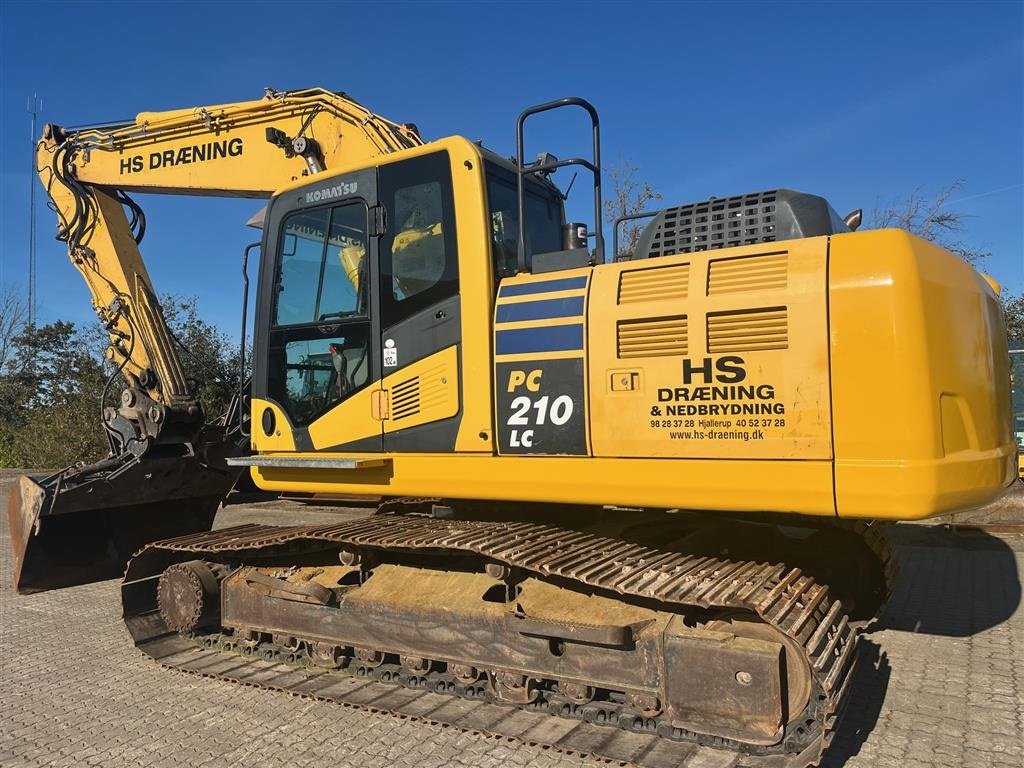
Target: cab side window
[(543, 220), (418, 260)]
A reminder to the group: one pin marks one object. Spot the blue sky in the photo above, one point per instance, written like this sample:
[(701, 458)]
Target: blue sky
[(860, 102)]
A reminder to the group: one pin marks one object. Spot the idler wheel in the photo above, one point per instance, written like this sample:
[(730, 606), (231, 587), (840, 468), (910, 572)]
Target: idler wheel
[(188, 596)]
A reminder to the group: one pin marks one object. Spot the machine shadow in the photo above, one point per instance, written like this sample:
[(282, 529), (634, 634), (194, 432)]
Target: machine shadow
[(864, 704), (953, 584)]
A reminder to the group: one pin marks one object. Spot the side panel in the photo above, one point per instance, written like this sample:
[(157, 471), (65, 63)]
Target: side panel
[(476, 299), (540, 364), (425, 392), (713, 484), (920, 379), (719, 354)]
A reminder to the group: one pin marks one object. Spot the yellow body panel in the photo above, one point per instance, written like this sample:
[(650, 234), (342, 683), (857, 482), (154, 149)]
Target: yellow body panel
[(717, 354), (920, 394), (717, 484), (476, 292), (352, 419), (282, 438), (426, 391)]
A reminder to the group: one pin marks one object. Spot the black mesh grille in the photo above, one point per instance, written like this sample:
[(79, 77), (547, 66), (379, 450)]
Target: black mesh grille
[(726, 222), (719, 223)]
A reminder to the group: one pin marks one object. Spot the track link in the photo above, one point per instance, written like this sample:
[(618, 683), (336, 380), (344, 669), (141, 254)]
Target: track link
[(875, 537), (782, 597)]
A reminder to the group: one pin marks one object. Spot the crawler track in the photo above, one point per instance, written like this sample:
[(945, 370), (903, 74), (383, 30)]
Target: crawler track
[(782, 597)]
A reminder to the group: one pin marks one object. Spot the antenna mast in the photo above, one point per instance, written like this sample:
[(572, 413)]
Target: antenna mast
[(34, 105)]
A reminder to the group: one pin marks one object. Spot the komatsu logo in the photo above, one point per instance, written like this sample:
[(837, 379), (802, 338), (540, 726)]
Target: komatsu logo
[(195, 153), (338, 190)]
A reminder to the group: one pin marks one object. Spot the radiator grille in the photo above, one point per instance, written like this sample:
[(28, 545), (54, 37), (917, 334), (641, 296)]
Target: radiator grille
[(748, 330), (655, 284), (749, 273), (652, 337)]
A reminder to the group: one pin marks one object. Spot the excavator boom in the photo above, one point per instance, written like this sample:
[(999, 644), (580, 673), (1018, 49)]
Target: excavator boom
[(165, 474)]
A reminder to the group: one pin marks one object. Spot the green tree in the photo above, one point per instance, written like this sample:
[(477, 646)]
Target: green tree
[(1013, 309), (52, 378), (209, 356), (50, 391)]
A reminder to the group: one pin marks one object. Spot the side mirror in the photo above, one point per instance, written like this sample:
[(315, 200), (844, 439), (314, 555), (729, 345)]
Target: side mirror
[(853, 219)]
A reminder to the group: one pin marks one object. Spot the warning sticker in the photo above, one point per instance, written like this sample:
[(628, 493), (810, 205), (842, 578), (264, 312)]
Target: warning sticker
[(390, 354)]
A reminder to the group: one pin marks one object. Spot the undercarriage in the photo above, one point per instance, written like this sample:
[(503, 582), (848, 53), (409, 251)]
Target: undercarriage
[(627, 637)]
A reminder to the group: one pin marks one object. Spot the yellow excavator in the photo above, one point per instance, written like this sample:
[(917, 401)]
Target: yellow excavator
[(632, 508)]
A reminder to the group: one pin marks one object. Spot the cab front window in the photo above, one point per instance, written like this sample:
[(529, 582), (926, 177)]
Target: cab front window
[(319, 350), (321, 270)]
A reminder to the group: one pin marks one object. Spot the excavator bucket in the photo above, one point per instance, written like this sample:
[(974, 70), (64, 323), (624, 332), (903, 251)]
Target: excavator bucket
[(77, 527)]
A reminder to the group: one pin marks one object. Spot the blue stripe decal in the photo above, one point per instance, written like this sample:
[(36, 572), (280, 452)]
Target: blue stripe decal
[(546, 309), (545, 286), (556, 338)]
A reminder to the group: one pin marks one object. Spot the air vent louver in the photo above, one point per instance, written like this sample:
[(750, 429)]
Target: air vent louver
[(749, 273), (748, 330), (405, 399), (652, 337), (656, 284)]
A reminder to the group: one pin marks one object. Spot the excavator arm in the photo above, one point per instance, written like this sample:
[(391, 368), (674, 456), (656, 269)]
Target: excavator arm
[(165, 474)]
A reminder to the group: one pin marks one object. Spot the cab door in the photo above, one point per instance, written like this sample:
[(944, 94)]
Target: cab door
[(418, 295), (319, 362)]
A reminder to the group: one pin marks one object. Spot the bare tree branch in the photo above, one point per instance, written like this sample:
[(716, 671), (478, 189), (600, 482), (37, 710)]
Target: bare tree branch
[(13, 316), (629, 196), (930, 219)]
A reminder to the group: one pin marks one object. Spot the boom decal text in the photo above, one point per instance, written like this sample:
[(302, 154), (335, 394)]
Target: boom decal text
[(194, 153)]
